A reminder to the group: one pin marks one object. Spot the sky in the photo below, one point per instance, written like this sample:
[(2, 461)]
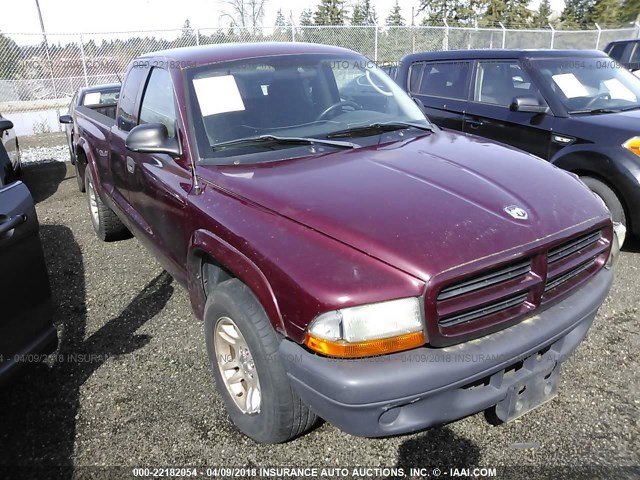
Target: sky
[(90, 16)]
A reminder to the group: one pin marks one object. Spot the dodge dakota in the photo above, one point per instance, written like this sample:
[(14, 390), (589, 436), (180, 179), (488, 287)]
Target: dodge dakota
[(349, 259)]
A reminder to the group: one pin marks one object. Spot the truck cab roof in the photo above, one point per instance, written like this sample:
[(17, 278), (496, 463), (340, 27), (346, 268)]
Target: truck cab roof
[(502, 53)]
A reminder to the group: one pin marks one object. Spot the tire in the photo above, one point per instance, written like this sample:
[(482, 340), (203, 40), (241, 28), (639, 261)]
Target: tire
[(106, 224), (609, 197), (80, 177), (280, 414)]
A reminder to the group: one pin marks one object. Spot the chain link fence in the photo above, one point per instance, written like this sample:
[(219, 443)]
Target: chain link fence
[(38, 71)]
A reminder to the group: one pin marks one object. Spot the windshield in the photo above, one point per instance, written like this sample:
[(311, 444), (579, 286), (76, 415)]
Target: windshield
[(307, 96), (586, 85)]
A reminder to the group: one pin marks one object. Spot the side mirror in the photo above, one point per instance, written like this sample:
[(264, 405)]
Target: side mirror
[(66, 119), (152, 138), (5, 124), (527, 104)]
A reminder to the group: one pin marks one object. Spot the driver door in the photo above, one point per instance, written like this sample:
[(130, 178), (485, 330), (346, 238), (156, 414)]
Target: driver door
[(25, 313), (495, 84)]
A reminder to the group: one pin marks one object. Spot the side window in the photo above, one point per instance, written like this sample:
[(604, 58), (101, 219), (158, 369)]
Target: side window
[(498, 83), (415, 75), (617, 51), (128, 96), (158, 103), (445, 79)]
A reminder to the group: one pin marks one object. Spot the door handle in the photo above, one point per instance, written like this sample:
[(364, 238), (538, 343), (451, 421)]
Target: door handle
[(12, 223), (474, 123), (131, 166)]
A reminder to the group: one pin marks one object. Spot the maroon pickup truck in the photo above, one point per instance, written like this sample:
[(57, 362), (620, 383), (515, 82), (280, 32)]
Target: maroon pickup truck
[(350, 260)]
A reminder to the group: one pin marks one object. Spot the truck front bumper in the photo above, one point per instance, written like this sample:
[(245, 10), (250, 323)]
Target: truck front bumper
[(409, 391)]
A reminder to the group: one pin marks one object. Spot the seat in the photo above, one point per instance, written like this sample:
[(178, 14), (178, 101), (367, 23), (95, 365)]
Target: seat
[(496, 88), (288, 102)]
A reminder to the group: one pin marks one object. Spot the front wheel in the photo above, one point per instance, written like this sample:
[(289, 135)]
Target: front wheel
[(242, 347), (609, 197)]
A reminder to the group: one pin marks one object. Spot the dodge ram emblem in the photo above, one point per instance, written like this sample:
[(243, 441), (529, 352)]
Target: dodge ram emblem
[(516, 212)]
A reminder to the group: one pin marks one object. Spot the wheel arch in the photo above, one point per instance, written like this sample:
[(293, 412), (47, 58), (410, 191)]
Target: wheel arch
[(598, 165), (207, 248)]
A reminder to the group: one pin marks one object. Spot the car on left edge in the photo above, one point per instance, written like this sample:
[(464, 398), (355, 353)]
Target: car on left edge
[(26, 325)]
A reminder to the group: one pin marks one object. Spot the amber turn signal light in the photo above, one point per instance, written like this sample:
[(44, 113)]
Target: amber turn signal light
[(369, 348), (633, 144)]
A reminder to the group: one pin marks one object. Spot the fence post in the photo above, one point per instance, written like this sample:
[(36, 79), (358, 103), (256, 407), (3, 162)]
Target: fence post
[(293, 26), (504, 35), (375, 44), (553, 35), (46, 46), (445, 40), (599, 34), (84, 62), (197, 37)]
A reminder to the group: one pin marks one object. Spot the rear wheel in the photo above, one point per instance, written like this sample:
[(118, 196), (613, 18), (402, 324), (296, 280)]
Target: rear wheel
[(609, 198), (106, 224), (243, 354)]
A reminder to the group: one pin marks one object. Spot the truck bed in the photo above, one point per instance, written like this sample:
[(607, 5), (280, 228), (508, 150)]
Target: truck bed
[(104, 115)]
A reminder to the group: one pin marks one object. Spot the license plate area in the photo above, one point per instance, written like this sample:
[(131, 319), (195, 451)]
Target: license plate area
[(529, 393)]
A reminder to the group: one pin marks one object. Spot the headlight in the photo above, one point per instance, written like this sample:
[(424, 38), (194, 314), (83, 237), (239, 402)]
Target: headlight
[(633, 144), (619, 234), (368, 330)]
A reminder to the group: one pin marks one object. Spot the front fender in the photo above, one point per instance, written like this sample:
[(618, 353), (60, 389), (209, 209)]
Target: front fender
[(615, 165), (203, 242)]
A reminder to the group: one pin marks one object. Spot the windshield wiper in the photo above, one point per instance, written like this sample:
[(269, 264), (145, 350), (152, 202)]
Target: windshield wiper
[(626, 109), (378, 127), (595, 111), (274, 139)]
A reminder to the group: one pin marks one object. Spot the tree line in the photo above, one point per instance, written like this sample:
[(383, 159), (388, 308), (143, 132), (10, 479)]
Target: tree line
[(577, 14)]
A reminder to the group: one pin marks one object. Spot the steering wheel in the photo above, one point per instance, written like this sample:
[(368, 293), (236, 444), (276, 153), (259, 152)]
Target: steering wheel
[(338, 106), (600, 96)]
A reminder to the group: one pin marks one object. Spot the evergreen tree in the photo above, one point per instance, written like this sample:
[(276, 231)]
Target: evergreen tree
[(187, 31), (306, 17), (577, 13), (493, 14), (330, 12), (630, 10), (607, 13), (516, 14), (280, 20), (455, 12), (11, 67), (395, 18), (364, 13), (541, 17)]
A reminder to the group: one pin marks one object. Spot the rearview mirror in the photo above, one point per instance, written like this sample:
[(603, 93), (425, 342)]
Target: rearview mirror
[(527, 104), (5, 124), (152, 138), (67, 119)]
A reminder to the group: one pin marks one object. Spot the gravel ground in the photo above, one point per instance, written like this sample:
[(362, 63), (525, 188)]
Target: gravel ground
[(132, 387)]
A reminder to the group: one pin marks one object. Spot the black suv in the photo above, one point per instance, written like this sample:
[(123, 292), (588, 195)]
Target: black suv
[(627, 53), (577, 108)]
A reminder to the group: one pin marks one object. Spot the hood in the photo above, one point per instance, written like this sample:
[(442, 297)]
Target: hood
[(423, 205), (618, 126)]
